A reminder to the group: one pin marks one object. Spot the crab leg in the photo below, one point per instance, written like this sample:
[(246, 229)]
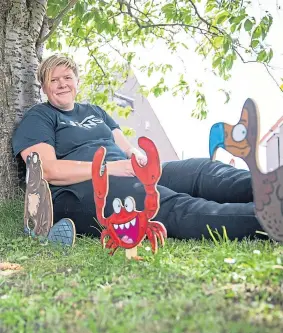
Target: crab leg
[(153, 240), (159, 229), (104, 234)]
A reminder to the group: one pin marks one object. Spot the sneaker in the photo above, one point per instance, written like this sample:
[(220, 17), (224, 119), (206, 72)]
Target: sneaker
[(63, 232)]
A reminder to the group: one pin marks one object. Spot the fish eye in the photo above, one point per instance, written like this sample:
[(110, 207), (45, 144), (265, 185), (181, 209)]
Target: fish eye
[(130, 204), (117, 205), (239, 133)]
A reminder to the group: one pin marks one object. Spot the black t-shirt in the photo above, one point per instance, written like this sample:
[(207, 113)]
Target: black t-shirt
[(75, 135)]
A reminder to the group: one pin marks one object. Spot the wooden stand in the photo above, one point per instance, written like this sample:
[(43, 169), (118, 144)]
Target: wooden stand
[(132, 253)]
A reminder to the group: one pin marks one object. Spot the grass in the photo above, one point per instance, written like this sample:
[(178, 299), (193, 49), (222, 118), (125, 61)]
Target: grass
[(186, 287)]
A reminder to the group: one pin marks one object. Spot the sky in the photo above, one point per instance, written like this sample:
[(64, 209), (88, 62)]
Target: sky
[(190, 137)]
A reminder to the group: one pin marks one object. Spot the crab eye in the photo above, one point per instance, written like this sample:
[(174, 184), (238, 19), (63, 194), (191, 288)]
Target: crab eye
[(34, 158), (129, 204), (117, 205), (239, 133)]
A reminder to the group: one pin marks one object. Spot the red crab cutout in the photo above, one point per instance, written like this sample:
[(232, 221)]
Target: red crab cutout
[(127, 227)]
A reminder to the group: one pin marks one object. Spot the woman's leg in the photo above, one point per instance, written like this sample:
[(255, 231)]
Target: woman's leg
[(184, 216), (188, 217), (211, 180), (70, 205)]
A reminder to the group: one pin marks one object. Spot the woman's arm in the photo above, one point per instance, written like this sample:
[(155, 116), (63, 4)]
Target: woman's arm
[(67, 172), (123, 143), (59, 172)]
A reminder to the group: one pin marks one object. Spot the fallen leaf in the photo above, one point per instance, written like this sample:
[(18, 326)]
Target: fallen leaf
[(5, 266)]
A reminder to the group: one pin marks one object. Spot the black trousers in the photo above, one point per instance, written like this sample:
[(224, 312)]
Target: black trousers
[(194, 193)]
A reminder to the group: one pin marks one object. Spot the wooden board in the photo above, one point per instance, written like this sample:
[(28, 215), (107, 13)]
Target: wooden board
[(242, 140), (127, 227), (38, 215)]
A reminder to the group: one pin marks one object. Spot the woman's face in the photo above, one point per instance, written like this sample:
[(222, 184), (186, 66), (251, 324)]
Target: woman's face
[(62, 89)]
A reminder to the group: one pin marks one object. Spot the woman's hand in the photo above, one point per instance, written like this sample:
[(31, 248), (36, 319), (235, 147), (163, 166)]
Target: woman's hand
[(127, 147), (140, 157), (121, 168)]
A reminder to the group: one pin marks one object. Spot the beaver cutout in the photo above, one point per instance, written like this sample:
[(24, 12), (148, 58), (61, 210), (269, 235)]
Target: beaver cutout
[(38, 216)]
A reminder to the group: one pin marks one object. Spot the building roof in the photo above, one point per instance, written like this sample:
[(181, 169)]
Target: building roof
[(272, 131)]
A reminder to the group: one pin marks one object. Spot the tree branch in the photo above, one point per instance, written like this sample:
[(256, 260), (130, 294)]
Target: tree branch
[(203, 20), (157, 25), (144, 25), (267, 67), (198, 15), (129, 12), (270, 74), (94, 58), (57, 20)]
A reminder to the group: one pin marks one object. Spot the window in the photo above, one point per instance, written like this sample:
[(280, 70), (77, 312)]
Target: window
[(124, 101)]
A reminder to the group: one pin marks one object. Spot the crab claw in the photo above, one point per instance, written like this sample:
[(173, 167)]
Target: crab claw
[(151, 172), (99, 181)]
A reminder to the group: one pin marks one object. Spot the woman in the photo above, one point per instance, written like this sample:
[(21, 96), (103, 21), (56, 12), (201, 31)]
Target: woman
[(194, 193)]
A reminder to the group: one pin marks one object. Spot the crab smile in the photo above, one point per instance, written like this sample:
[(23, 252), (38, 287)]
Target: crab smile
[(128, 232)]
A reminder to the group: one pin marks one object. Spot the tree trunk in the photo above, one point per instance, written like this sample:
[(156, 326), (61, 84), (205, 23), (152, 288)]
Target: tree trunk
[(21, 26)]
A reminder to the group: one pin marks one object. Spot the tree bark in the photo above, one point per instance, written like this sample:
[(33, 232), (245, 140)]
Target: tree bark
[(21, 26)]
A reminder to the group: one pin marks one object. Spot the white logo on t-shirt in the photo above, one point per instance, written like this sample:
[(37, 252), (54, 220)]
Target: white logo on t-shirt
[(88, 122)]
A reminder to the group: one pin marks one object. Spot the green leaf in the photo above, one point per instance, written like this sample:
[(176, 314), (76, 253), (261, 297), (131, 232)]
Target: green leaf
[(262, 56), (222, 17), (216, 62), (255, 43), (130, 56), (210, 7), (87, 17), (270, 55), (238, 19), (257, 32), (229, 62), (157, 91), (263, 32), (79, 9), (226, 46), (129, 132), (233, 28), (218, 41), (248, 25), (169, 11)]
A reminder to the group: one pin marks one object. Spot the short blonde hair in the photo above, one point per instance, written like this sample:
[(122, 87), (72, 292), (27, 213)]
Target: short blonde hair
[(47, 66)]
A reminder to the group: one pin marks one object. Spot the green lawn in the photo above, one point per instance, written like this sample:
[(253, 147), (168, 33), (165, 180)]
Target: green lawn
[(186, 287)]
